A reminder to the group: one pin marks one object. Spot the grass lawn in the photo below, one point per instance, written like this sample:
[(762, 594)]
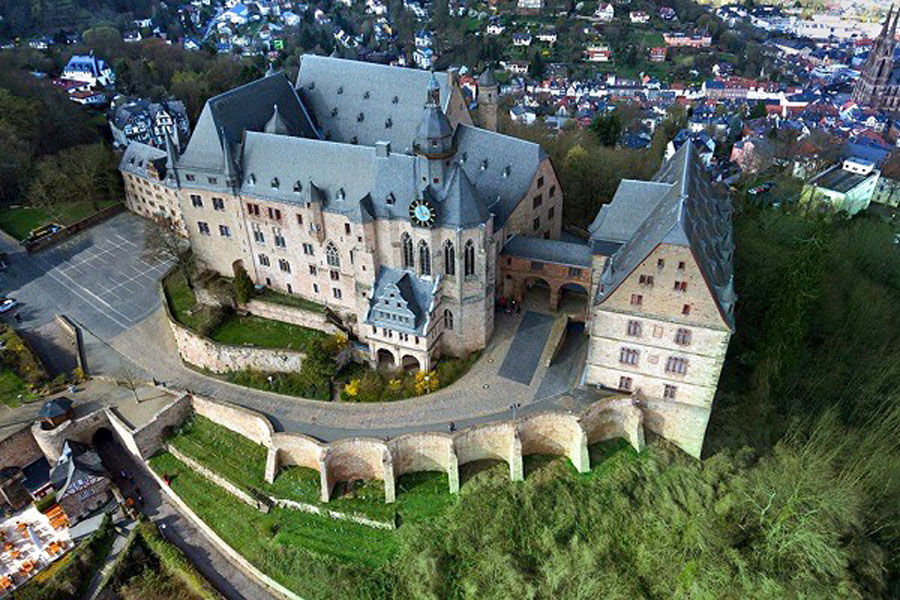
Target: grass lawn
[(275, 297), (242, 462), (19, 222), (301, 551), (241, 330), (11, 386)]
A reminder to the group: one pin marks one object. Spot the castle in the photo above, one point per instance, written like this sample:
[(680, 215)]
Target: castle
[(368, 189), (878, 86)]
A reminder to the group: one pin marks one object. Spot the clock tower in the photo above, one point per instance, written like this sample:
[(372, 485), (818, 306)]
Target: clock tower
[(434, 139)]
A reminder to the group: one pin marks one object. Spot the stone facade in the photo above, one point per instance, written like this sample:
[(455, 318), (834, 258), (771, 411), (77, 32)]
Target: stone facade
[(223, 358), (290, 314)]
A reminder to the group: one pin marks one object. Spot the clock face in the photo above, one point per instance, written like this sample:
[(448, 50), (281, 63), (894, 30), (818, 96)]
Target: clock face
[(422, 213)]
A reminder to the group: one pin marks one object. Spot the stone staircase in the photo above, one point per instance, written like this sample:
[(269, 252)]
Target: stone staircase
[(555, 339)]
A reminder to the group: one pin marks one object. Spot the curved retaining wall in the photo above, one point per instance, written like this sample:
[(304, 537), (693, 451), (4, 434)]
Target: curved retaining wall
[(221, 358), (552, 432)]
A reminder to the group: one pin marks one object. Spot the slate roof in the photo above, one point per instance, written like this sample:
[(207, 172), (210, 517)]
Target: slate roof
[(245, 108), (390, 99), (55, 408), (689, 215), (552, 251), (77, 462), (401, 301), (137, 158), (839, 180), (630, 206), (37, 474), (498, 169)]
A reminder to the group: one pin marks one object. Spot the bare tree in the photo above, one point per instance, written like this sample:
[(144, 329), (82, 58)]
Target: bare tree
[(127, 376), (162, 242)]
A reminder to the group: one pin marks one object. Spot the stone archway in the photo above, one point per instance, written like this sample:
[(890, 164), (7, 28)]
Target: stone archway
[(537, 292), (385, 360), (410, 363), (573, 299)]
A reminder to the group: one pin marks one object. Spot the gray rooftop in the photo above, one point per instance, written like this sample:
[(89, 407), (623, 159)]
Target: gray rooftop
[(687, 215), (77, 462), (630, 206), (364, 101), (401, 301), (839, 180), (137, 159), (553, 251)]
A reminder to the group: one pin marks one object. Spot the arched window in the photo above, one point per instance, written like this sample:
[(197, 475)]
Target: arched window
[(332, 257), (448, 319), (424, 258), (449, 258), (407, 251), (469, 259)]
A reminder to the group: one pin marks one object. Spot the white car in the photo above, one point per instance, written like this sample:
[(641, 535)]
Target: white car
[(7, 304)]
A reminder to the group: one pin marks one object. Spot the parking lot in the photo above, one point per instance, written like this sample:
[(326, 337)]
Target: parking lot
[(102, 277)]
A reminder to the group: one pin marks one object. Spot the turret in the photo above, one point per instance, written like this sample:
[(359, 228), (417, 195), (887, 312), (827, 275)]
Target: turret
[(434, 135), (488, 100)]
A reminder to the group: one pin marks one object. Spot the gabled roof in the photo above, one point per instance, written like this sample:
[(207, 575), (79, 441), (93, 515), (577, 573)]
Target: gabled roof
[(630, 206), (56, 407), (552, 251), (77, 463), (367, 101), (687, 215), (138, 157), (245, 108), (401, 301)]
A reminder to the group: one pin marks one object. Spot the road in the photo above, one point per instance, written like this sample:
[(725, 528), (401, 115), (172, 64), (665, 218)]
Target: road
[(101, 279), (230, 581)]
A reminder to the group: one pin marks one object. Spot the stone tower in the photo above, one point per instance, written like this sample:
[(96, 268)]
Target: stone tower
[(877, 86), (488, 100)]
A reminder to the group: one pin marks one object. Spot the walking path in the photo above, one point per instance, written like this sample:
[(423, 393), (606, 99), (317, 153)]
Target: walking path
[(481, 395), (118, 545)]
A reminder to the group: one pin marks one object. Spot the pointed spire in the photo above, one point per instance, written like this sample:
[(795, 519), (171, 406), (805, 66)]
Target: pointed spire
[(887, 21), (231, 172), (277, 124), (171, 153), (893, 31), (433, 92)]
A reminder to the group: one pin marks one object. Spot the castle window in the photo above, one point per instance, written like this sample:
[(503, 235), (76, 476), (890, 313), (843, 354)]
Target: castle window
[(551, 212), (680, 286), (669, 392), (537, 201), (424, 258), (218, 204), (279, 238), (540, 182), (637, 300), (212, 180), (388, 123), (263, 260), (196, 201), (299, 219), (224, 231), (681, 266), (625, 383), (448, 319), (646, 280), (334, 111), (341, 194), (660, 263), (203, 228), (506, 171), (469, 259), (275, 183), (313, 271), (189, 177), (360, 117), (389, 200), (406, 243), (686, 309), (484, 165), (683, 337), (395, 100), (253, 209), (552, 192), (252, 179), (629, 356), (298, 187), (336, 292), (284, 265), (449, 258), (676, 365), (335, 275), (332, 257), (634, 328), (340, 90), (367, 95), (347, 228)]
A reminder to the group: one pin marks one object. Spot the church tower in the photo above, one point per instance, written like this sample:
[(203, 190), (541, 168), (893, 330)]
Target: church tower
[(434, 138), (488, 100), (877, 87)]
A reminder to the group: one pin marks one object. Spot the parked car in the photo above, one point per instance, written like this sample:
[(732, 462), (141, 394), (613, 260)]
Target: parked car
[(7, 304), (48, 229)]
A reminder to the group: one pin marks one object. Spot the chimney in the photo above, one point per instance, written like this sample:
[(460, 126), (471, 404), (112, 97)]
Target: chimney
[(382, 149)]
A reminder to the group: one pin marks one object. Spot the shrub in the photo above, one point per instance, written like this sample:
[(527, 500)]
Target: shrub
[(243, 287), (45, 503)]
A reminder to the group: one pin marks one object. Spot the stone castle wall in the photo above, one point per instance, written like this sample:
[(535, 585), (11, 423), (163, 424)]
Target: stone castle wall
[(290, 314), (553, 432), (19, 450), (222, 358)]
